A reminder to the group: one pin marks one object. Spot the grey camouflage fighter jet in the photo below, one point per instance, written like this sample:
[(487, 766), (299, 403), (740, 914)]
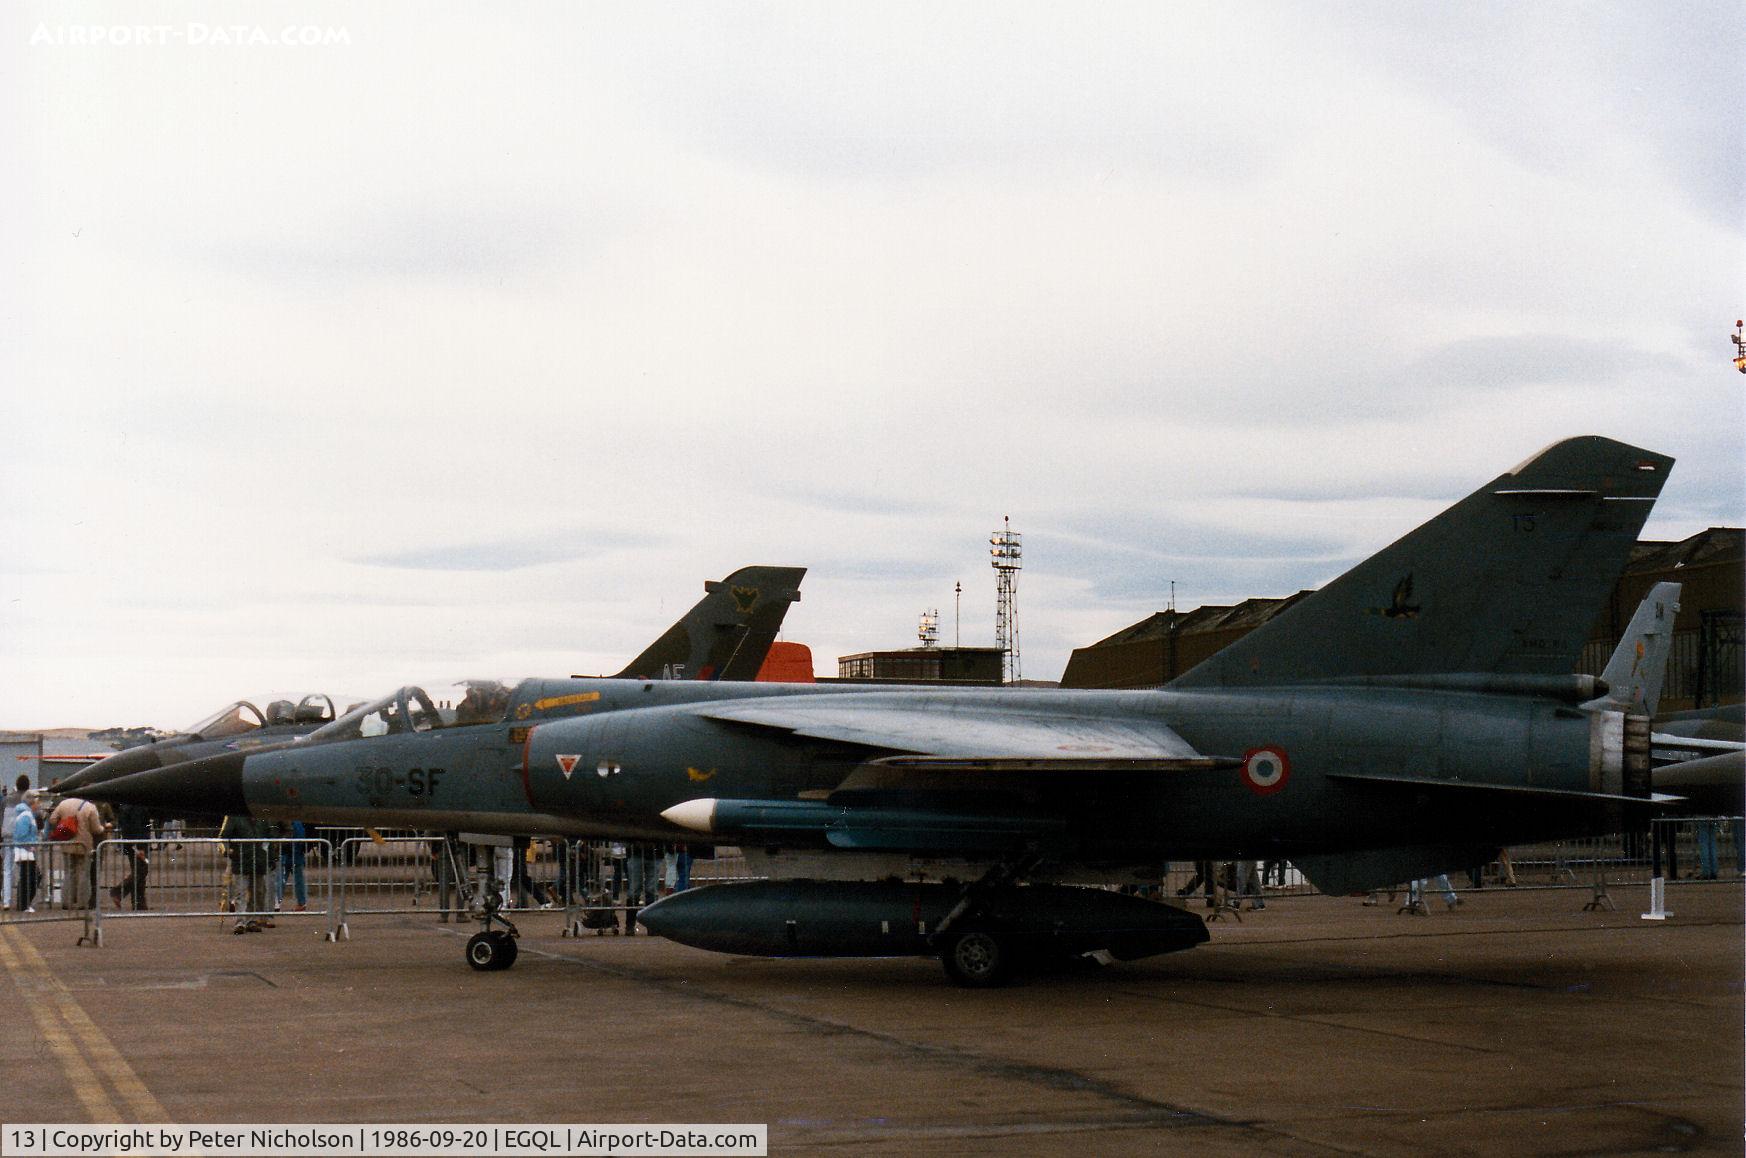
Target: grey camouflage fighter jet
[(1410, 718)]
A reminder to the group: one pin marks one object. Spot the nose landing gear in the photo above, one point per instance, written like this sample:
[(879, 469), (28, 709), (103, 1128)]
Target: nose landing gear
[(492, 949)]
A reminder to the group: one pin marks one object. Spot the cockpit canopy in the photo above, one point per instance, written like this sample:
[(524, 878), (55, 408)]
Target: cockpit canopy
[(414, 709), (243, 717)]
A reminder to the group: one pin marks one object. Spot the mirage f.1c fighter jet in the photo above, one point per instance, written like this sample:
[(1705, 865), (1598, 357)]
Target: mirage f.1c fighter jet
[(1410, 718), (724, 636)]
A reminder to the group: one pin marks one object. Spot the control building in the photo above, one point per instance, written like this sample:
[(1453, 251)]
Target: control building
[(963, 665)]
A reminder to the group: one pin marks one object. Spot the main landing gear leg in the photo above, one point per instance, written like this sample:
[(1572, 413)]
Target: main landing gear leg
[(492, 949), (979, 958)]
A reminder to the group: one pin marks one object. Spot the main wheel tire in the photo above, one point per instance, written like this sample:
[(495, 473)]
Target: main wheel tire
[(977, 960), (484, 951)]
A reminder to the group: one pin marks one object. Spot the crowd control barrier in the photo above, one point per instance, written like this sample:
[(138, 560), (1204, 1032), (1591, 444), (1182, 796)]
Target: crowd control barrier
[(327, 880), (264, 879), (50, 882)]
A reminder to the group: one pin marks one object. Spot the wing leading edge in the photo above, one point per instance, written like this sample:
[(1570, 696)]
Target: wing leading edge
[(962, 733)]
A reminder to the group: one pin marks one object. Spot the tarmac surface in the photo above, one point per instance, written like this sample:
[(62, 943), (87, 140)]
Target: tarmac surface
[(1515, 1024)]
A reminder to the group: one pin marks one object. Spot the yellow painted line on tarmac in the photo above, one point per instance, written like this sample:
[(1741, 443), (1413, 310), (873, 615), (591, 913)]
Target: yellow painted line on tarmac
[(86, 1087), (146, 1108), (96, 1043)]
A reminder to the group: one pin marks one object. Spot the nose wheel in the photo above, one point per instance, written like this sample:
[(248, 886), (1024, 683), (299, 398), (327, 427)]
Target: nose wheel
[(492, 950)]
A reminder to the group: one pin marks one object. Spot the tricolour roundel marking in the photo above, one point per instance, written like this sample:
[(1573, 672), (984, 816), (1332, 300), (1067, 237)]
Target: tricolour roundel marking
[(1265, 770)]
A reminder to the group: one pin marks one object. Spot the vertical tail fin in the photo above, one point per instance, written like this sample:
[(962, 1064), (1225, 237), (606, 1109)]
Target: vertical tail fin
[(1507, 581), (1638, 668), (727, 634)]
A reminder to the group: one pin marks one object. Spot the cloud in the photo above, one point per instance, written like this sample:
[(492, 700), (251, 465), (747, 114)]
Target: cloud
[(350, 369), (412, 242), (511, 554), (1575, 90), (851, 94)]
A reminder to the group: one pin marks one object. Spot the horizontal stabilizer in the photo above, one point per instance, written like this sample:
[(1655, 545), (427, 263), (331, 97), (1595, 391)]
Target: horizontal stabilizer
[(1674, 749), (1714, 784)]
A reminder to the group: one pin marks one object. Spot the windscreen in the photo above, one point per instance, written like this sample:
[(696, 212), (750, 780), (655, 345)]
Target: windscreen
[(230, 720), (413, 708)]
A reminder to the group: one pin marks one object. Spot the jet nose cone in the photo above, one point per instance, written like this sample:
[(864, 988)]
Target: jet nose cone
[(212, 785), (125, 763)]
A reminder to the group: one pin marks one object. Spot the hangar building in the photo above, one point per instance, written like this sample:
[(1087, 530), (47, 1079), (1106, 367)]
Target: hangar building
[(1704, 669)]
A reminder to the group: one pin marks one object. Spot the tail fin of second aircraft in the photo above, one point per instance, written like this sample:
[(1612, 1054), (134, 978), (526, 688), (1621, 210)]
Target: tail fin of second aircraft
[(727, 634), (1638, 667), (1508, 581)]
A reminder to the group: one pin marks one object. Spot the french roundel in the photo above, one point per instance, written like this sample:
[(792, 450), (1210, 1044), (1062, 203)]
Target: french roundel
[(1265, 770)]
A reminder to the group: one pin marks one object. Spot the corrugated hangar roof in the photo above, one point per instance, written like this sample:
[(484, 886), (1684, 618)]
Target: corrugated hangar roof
[(1716, 545), (1213, 617)]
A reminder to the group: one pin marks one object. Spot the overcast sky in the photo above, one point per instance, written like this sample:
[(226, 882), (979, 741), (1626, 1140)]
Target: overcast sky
[(346, 348)]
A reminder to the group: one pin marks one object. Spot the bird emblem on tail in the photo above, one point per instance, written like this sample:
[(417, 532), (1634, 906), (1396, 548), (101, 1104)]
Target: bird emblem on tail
[(1398, 607)]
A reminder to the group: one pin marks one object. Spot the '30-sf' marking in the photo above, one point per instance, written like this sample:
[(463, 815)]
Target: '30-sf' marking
[(380, 782)]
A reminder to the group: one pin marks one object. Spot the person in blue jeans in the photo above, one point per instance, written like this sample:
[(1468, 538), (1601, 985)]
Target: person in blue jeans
[(290, 863), (1440, 882), (1706, 849)]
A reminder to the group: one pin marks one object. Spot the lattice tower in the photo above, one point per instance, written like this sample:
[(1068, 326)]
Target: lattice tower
[(1006, 550)]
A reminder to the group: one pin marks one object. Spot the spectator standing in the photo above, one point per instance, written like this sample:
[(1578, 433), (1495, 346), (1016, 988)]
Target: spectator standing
[(1203, 876), (8, 807), (88, 829), (637, 884), (290, 863), (249, 857), (25, 834), (1440, 882), (133, 823)]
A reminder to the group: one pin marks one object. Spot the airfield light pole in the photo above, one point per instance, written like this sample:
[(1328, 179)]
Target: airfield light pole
[(958, 614), (1005, 551), (1170, 655), (929, 629)]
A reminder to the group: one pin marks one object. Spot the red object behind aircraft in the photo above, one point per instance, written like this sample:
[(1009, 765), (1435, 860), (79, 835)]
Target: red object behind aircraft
[(787, 663)]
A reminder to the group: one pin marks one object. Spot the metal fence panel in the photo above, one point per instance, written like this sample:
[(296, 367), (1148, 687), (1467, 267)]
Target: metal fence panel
[(51, 882), (258, 881)]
